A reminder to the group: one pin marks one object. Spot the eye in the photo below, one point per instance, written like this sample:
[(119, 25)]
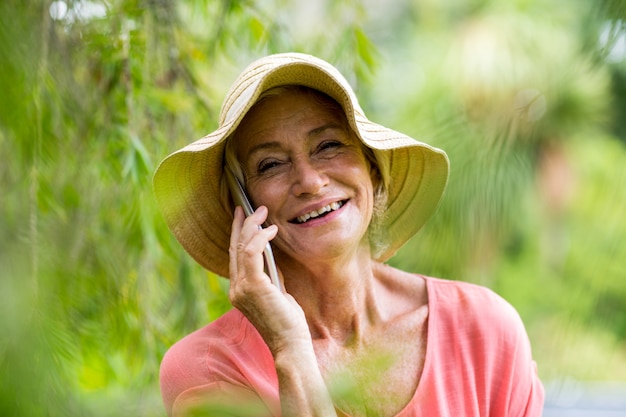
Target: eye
[(329, 144), (266, 165)]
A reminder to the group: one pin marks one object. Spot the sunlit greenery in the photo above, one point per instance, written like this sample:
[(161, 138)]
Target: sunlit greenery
[(526, 96)]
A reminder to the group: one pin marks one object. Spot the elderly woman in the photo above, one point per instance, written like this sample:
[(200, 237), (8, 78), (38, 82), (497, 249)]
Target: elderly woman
[(342, 334)]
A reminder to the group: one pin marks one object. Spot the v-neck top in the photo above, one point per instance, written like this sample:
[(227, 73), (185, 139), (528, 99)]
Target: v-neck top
[(478, 361)]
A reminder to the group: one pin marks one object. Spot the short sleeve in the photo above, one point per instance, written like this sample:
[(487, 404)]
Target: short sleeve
[(219, 398), (225, 364)]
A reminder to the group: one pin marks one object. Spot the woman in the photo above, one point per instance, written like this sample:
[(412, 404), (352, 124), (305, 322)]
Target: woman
[(343, 334)]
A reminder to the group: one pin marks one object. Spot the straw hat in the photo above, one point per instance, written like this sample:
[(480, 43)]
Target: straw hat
[(193, 196)]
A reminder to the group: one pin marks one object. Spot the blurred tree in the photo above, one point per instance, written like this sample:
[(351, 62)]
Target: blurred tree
[(94, 93)]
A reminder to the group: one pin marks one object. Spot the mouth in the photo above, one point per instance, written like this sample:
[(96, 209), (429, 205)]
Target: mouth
[(320, 212)]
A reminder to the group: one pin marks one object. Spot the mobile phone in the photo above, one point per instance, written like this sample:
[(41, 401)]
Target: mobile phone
[(241, 199)]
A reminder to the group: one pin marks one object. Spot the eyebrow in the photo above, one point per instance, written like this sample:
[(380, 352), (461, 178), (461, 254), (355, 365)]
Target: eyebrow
[(310, 134), (328, 126)]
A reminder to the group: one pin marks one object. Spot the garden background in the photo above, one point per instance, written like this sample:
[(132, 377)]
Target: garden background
[(528, 97)]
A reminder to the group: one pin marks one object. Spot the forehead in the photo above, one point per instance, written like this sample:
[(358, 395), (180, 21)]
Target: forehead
[(287, 113)]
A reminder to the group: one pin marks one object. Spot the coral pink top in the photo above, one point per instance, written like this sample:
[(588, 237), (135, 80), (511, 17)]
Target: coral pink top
[(478, 361)]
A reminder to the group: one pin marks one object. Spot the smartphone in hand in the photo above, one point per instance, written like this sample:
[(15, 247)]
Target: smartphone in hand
[(241, 199)]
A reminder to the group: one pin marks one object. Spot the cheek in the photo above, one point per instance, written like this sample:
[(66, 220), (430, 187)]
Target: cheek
[(267, 193), (362, 169), (363, 179)]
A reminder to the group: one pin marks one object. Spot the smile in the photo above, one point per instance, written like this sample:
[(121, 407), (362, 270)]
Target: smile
[(320, 212)]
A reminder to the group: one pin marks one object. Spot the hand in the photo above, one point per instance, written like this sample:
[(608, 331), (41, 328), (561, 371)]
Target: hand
[(277, 316)]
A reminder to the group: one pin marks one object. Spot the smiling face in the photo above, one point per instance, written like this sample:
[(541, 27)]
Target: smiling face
[(307, 167)]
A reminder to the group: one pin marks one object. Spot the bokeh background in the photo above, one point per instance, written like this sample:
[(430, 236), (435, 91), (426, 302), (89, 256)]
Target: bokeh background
[(528, 97)]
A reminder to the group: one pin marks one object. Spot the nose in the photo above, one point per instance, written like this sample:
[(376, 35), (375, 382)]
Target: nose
[(307, 178)]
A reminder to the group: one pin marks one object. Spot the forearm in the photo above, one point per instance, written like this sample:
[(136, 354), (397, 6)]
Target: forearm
[(303, 392)]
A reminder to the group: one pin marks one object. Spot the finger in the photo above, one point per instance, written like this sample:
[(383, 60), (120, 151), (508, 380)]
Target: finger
[(250, 230), (258, 217), (237, 225), (248, 241), (250, 249)]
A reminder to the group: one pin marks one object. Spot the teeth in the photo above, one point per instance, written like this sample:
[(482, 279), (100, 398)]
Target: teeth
[(316, 213)]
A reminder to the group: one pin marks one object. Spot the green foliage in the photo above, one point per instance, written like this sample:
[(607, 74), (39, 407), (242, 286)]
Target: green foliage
[(94, 288)]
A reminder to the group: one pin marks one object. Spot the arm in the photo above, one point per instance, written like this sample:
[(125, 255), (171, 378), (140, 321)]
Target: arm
[(278, 318), (301, 386)]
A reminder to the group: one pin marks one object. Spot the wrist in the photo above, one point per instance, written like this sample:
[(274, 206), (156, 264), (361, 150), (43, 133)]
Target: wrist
[(303, 391), (294, 353)]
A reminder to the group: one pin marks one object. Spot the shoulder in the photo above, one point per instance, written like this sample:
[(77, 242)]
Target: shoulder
[(198, 359), (470, 304), (475, 319), (189, 354)]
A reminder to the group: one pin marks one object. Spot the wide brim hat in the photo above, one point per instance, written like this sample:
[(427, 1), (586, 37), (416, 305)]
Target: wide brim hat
[(193, 196)]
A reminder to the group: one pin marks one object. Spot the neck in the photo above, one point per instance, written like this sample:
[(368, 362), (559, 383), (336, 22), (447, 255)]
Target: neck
[(337, 297)]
